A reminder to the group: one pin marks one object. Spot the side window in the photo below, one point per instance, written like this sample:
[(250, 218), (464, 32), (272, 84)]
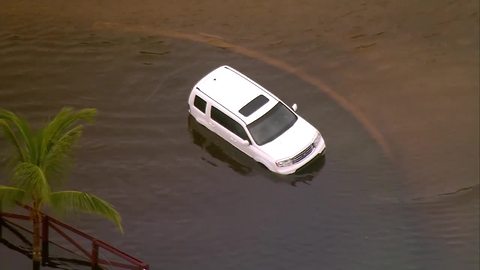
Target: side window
[(200, 104), (228, 123)]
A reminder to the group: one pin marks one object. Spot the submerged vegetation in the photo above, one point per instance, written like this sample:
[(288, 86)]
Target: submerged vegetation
[(38, 165)]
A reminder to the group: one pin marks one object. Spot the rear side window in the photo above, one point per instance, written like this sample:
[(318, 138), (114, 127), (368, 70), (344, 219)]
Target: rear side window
[(228, 123), (200, 104)]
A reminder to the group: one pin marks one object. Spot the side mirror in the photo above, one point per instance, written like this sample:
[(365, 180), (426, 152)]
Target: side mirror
[(294, 107), (245, 142)]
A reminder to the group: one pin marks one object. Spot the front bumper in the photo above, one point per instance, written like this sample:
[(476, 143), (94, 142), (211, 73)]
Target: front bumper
[(319, 150)]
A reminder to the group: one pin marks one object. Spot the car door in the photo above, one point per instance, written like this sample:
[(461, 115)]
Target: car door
[(230, 130)]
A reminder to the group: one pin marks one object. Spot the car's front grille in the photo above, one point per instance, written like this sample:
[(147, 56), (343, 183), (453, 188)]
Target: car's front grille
[(303, 154)]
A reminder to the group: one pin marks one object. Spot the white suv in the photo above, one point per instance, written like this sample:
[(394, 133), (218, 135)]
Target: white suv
[(254, 120)]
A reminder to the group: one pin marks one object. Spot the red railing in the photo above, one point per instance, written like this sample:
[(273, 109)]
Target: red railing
[(92, 254)]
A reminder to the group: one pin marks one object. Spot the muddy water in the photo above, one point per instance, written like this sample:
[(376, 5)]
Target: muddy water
[(187, 199)]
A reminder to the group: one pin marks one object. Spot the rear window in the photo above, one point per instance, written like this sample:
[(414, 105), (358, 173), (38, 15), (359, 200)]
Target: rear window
[(200, 104), (253, 105)]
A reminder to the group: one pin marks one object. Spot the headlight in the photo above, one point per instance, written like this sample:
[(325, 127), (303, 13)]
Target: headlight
[(317, 140), (284, 163)]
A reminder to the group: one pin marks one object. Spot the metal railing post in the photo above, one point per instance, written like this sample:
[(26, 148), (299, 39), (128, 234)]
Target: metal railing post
[(94, 255), (45, 251), (61, 228), (1, 221)]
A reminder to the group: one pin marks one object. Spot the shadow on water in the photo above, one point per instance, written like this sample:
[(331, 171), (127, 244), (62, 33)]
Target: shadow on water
[(16, 238), (221, 151)]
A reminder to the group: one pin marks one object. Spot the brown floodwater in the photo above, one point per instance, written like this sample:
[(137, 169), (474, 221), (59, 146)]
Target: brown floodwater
[(394, 95)]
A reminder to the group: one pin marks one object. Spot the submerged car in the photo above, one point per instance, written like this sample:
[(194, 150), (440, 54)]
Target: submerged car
[(254, 120)]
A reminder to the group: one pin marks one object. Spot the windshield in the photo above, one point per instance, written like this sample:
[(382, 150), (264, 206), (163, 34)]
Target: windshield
[(272, 124)]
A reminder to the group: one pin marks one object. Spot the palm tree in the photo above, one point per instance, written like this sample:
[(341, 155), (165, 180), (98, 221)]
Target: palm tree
[(39, 161)]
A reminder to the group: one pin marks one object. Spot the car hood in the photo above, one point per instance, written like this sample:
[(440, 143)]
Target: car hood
[(292, 141)]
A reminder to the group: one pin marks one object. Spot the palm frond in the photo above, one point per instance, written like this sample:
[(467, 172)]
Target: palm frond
[(46, 153), (58, 157), (10, 135), (84, 202), (59, 137), (24, 138), (10, 195), (30, 178), (66, 119)]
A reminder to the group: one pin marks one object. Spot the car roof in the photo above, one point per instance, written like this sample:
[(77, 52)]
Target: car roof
[(233, 91)]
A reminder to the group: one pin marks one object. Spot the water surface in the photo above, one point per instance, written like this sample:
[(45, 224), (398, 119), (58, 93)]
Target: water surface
[(188, 200)]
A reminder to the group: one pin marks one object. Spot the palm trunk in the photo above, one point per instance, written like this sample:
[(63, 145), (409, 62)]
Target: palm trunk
[(37, 220)]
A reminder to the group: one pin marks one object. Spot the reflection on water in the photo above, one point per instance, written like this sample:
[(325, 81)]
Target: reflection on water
[(224, 152)]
